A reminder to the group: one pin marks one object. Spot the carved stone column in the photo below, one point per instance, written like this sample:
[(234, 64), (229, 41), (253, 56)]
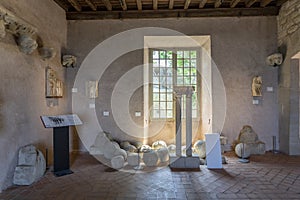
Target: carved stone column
[(178, 123), (189, 93)]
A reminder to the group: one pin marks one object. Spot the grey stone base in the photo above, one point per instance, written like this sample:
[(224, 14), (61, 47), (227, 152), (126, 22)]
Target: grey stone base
[(184, 163)]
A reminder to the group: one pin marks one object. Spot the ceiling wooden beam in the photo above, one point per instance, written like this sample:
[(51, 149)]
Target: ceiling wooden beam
[(171, 4), (202, 3), (155, 4), (280, 2), (249, 3), (91, 4), (187, 4), (264, 3), (62, 5), (218, 3), (123, 4), (107, 4), (139, 5), (191, 13), (233, 3), (75, 4)]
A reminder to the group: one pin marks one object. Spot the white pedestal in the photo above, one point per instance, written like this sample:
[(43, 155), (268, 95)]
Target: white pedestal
[(213, 151)]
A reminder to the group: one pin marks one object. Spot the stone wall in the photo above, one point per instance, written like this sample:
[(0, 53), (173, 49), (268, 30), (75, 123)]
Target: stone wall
[(289, 45), (22, 91), (239, 49)]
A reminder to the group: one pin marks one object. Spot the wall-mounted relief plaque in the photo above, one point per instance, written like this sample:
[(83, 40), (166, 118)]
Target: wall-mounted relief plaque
[(54, 86)]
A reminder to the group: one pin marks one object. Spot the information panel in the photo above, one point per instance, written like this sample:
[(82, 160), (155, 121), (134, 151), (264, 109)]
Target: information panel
[(60, 120)]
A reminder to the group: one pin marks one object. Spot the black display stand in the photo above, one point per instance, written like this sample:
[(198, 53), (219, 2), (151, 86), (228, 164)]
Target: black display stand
[(61, 151), (60, 125)]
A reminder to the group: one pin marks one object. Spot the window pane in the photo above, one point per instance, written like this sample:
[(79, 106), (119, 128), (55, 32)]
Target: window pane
[(179, 54), (156, 113), (186, 71), (179, 71), (156, 71), (170, 105), (187, 80), (162, 54), (193, 63), (162, 113), (162, 63), (155, 105), (155, 80), (163, 72), (193, 80), (179, 63), (155, 97), (186, 54), (169, 54), (155, 54), (193, 71), (169, 80), (169, 97), (169, 63), (170, 72), (155, 88), (186, 63), (169, 113), (162, 105), (179, 80), (155, 63), (193, 54), (163, 97)]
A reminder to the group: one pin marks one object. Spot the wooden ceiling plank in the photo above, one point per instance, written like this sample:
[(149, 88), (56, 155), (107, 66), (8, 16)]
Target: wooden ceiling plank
[(249, 3), (264, 3), (147, 14), (75, 4), (107, 4), (234, 3), (280, 2), (123, 4), (61, 4), (139, 5), (218, 3), (155, 4), (202, 3), (187, 4), (91, 5), (171, 4)]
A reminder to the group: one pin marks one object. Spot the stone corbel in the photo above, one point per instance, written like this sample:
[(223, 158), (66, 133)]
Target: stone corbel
[(23, 31)]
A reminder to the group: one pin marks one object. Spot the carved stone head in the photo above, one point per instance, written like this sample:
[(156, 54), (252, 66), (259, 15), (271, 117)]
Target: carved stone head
[(275, 59), (68, 61), (26, 43)]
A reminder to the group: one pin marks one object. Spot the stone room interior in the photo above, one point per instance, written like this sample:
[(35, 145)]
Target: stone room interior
[(149, 99)]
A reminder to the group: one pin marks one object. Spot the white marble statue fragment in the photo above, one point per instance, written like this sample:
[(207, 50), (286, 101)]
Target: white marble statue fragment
[(163, 154), (159, 144), (31, 166), (200, 149), (151, 158)]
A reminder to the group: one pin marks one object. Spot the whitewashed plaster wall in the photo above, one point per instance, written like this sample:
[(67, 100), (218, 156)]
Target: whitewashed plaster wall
[(22, 90), (240, 46)]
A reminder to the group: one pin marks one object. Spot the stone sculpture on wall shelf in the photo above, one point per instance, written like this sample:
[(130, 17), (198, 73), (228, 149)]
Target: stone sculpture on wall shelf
[(257, 86), (248, 143), (31, 166), (46, 52), (274, 60), (27, 44), (68, 61)]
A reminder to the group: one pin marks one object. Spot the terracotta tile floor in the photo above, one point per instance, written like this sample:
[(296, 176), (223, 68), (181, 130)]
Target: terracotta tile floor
[(272, 176)]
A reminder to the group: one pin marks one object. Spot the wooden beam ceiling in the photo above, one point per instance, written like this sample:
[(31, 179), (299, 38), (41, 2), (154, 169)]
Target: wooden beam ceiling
[(187, 4), (91, 4), (62, 4), (171, 4), (249, 3), (123, 4), (233, 3), (155, 4), (107, 4), (264, 3), (218, 3), (202, 3), (191, 13), (75, 4), (139, 5)]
